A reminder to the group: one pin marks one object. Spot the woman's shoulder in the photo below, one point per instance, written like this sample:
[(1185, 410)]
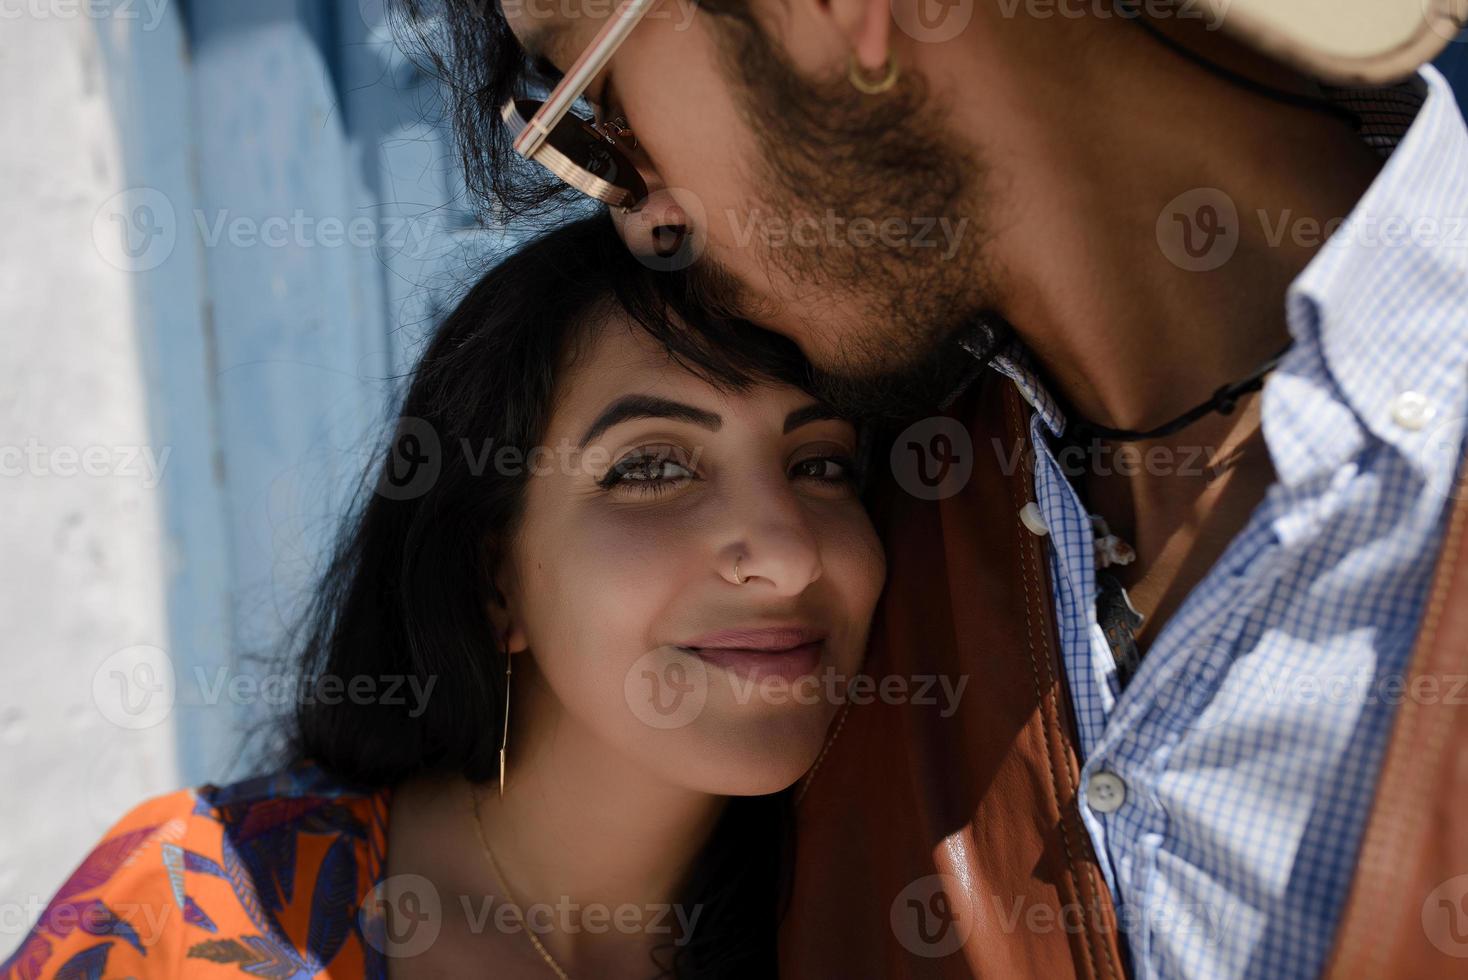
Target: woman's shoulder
[(261, 877)]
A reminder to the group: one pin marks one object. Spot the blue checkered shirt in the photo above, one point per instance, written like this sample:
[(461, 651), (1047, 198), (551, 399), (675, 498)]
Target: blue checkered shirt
[(1227, 785)]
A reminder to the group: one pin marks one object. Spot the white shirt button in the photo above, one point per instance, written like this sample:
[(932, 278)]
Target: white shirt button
[(1412, 410), (1105, 792), (1031, 517)]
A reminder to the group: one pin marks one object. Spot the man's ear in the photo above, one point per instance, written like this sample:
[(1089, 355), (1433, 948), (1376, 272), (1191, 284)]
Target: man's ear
[(867, 28), (819, 35)]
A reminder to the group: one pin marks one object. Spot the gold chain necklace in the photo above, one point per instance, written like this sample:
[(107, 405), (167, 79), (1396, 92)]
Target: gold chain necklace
[(550, 960)]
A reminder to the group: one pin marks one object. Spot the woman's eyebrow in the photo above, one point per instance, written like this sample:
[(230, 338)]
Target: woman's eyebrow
[(631, 407), (649, 407), (814, 412)]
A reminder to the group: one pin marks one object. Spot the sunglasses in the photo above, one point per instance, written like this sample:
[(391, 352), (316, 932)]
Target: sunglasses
[(588, 156)]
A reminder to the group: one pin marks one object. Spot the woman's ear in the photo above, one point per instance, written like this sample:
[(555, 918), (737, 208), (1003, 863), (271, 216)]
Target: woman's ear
[(505, 620)]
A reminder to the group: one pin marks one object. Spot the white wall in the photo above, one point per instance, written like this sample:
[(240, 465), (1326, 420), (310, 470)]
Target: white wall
[(82, 569), (256, 376)]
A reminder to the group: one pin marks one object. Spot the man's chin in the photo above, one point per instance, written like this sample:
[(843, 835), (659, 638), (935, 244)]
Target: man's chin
[(883, 373), (907, 380), (894, 397)]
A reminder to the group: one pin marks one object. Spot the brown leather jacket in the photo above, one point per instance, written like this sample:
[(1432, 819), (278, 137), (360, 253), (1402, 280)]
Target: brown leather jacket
[(933, 846)]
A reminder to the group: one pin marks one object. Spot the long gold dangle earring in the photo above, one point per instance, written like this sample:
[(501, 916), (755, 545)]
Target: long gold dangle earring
[(505, 738)]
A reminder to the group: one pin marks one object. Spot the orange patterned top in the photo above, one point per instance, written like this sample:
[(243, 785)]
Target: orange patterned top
[(267, 877)]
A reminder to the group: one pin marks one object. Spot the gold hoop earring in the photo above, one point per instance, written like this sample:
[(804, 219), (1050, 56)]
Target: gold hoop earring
[(505, 738), (863, 84), (737, 577)]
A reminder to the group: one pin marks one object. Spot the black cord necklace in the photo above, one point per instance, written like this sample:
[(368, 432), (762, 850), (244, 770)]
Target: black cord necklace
[(1224, 401), (1115, 613)]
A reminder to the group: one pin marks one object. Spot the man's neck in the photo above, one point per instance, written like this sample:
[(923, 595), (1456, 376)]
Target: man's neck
[(1119, 150), (1122, 149)]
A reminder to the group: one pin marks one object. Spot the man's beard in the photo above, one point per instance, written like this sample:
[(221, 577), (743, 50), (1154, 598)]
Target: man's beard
[(827, 149)]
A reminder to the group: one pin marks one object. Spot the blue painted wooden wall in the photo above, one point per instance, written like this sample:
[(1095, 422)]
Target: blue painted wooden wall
[(316, 228)]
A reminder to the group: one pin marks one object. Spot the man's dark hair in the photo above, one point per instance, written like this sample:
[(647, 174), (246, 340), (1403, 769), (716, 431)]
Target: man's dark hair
[(467, 45)]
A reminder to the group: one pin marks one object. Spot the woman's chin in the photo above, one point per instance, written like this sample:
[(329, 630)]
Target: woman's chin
[(766, 758), (753, 781)]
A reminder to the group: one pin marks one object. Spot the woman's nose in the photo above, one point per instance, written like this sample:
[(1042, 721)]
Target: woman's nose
[(776, 548)]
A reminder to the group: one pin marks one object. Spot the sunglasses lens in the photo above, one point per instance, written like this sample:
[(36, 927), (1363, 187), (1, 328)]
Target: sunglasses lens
[(582, 157)]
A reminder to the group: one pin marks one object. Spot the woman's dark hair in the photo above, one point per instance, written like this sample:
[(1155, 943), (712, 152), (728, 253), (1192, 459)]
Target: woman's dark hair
[(407, 589)]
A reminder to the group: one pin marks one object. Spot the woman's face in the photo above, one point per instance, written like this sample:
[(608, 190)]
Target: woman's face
[(622, 585)]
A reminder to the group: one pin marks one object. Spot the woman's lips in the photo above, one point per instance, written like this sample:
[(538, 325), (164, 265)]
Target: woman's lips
[(768, 639), (788, 652)]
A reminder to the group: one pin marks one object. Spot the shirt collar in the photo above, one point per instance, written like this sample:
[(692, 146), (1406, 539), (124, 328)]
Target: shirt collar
[(1385, 298), (1017, 364), (1385, 309)]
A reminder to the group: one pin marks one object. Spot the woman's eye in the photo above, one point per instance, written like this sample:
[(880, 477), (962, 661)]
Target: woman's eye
[(656, 469), (826, 469), (646, 473)]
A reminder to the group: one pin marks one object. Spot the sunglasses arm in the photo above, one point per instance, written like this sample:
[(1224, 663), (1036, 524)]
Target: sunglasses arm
[(592, 61)]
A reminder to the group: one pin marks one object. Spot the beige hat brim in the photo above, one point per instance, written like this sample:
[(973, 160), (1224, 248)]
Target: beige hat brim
[(1343, 41)]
